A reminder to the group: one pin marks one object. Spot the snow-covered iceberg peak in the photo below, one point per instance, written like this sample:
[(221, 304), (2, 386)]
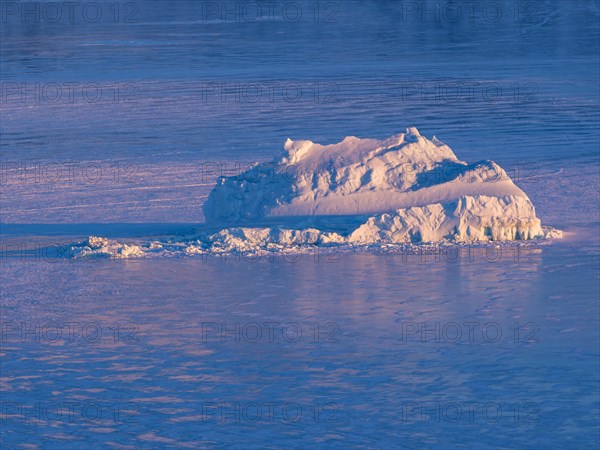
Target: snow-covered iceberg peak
[(296, 150), (414, 189)]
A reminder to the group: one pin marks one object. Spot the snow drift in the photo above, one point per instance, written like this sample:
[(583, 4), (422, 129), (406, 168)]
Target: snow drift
[(403, 189)]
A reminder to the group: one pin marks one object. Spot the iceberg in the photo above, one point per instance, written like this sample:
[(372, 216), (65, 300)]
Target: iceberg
[(404, 189), (406, 192)]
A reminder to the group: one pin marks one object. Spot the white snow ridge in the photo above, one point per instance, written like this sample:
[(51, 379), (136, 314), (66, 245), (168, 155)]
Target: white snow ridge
[(406, 189)]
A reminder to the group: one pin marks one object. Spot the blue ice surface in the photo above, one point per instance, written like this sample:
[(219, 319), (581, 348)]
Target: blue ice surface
[(164, 352)]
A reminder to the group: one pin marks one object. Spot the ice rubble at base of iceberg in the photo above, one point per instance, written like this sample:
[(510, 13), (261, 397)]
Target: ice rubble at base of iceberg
[(103, 247), (270, 241), (404, 190)]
